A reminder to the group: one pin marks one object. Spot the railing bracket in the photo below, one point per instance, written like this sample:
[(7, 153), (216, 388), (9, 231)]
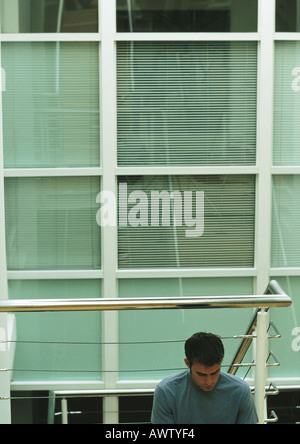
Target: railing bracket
[(276, 362), (274, 392), (274, 418), (277, 335)]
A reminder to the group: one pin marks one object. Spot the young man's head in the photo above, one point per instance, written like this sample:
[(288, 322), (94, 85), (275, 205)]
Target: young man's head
[(204, 355)]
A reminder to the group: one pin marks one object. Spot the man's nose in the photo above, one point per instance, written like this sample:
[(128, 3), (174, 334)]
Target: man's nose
[(208, 380)]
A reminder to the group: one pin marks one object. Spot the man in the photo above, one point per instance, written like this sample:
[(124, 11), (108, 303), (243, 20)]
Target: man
[(203, 394)]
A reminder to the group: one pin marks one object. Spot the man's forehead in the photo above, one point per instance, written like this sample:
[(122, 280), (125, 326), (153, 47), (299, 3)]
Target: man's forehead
[(200, 368)]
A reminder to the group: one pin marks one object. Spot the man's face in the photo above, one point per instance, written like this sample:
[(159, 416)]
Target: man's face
[(204, 377)]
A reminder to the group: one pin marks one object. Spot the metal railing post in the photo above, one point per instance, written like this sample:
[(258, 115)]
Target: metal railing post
[(5, 407), (261, 365), (64, 411)]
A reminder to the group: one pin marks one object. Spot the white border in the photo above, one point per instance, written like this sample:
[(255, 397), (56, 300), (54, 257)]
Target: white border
[(54, 275), (266, 23), (51, 37), (186, 273), (187, 36), (52, 172), (199, 170), (108, 38), (110, 320), (5, 377)]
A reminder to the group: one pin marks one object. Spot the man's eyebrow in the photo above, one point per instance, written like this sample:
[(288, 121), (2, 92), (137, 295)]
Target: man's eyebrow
[(208, 374)]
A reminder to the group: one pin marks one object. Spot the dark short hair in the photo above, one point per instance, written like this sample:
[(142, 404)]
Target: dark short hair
[(205, 349)]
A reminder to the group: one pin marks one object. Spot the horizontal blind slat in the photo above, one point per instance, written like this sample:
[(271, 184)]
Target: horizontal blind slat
[(229, 224), (187, 103)]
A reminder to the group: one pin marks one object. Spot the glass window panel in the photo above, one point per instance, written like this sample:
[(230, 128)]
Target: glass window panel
[(287, 15), (287, 104), (187, 15), (187, 103), (49, 16), (286, 222), (162, 225), (51, 223), (287, 349), (53, 341), (157, 358), (51, 105)]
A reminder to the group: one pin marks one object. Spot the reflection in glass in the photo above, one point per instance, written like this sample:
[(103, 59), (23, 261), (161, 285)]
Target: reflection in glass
[(48, 342), (286, 222), (287, 104), (287, 15), (51, 105), (49, 16), (187, 16), (51, 223)]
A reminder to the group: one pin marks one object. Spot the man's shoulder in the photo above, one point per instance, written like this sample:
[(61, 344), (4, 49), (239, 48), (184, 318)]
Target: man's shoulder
[(173, 381), (234, 381)]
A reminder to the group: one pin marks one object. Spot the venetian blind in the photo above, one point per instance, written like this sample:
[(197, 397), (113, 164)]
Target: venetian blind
[(187, 103), (51, 223), (287, 104), (226, 239), (51, 105)]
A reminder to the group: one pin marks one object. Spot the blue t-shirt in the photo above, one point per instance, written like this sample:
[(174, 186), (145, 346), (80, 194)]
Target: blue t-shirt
[(178, 400)]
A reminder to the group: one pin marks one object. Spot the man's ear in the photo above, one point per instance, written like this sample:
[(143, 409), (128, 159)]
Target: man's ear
[(187, 362)]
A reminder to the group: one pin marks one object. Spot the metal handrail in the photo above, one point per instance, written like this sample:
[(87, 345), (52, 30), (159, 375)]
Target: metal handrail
[(65, 395), (274, 297), (201, 302), (244, 347), (272, 289)]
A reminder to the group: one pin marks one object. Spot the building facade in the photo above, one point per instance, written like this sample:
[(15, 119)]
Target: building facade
[(149, 148)]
